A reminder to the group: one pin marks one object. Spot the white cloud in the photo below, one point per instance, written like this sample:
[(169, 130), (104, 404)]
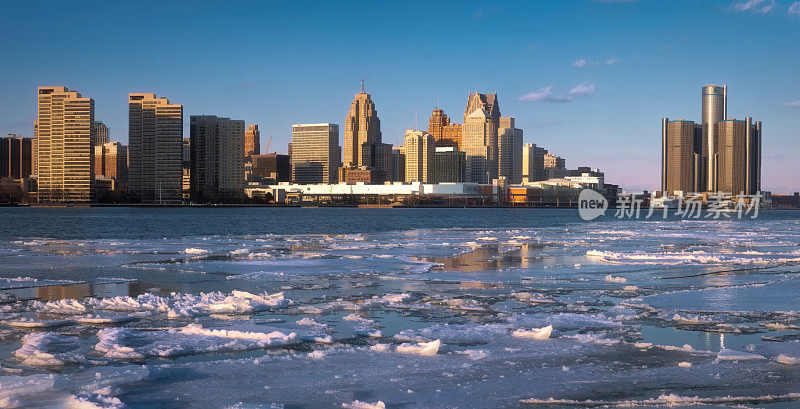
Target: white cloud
[(794, 9), (793, 104), (754, 6), (546, 94), (584, 89), (579, 63), (611, 61)]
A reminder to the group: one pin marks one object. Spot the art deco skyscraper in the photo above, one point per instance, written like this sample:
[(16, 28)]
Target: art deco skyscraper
[(155, 133), (252, 140), (64, 134), (216, 146), (445, 133), (363, 145)]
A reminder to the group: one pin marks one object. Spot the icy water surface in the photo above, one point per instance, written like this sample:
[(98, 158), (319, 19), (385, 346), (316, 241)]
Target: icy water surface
[(395, 308)]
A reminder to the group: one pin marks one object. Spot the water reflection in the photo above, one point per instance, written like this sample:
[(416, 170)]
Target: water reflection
[(491, 257), (76, 291)]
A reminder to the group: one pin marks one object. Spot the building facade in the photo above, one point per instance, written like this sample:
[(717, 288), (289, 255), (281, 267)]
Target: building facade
[(681, 158), (315, 153), (509, 151), (445, 134), (155, 137), (100, 133), (533, 163), (419, 148), (64, 134), (16, 157), (252, 140), (449, 165), (480, 144), (272, 166), (111, 161), (363, 143), (216, 145)]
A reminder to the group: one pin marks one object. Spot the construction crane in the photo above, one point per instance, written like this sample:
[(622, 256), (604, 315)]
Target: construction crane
[(268, 142)]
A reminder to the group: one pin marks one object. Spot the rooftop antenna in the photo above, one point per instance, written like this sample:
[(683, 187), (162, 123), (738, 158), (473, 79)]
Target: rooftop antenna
[(362, 85)]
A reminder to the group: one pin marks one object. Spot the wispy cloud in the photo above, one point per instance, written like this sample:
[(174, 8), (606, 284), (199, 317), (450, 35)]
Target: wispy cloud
[(482, 12), (584, 89), (583, 62), (546, 94), (793, 104), (754, 6), (794, 9)]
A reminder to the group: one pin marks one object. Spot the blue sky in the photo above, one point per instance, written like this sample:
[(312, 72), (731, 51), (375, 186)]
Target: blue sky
[(588, 80)]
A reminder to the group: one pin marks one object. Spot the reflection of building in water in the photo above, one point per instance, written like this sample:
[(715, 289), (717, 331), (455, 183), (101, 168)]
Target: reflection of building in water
[(490, 257), (59, 292)]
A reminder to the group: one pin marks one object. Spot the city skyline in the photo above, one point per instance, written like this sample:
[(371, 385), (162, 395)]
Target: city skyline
[(593, 99)]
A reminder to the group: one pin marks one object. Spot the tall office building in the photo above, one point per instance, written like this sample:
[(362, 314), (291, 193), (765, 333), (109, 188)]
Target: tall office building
[(363, 145), (480, 145), (449, 165), (681, 168), (533, 163), (16, 157), (509, 151), (100, 133), (64, 145), (717, 155), (738, 161), (315, 153), (444, 132), (186, 170), (419, 148), (252, 140), (155, 136), (216, 146), (272, 166), (487, 102), (398, 164), (714, 109), (111, 161)]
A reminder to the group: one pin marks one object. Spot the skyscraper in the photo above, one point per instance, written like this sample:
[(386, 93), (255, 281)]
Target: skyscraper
[(480, 144), (682, 163), (449, 165), (509, 149), (717, 155), (111, 161), (16, 157), (363, 145), (315, 153), (252, 140), (100, 133), (444, 132), (714, 109), (419, 148), (155, 134), (216, 145), (533, 163), (64, 145)]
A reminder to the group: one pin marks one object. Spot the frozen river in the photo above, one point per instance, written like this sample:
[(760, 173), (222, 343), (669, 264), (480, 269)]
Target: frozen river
[(395, 308)]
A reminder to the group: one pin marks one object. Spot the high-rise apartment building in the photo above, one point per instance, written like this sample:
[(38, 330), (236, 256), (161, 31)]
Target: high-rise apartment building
[(449, 165), (315, 153), (509, 149), (155, 136), (717, 155), (100, 133), (363, 145), (419, 148), (216, 146), (64, 145), (252, 140), (16, 157), (111, 161)]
